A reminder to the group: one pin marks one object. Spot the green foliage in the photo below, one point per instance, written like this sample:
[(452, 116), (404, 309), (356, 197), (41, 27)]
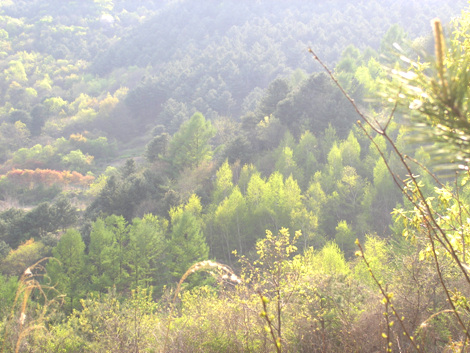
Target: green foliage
[(117, 251), (64, 214), (210, 318), (274, 277), (67, 268), (276, 92), (330, 260), (434, 95), (61, 339), (64, 107), (345, 237), (186, 243), (104, 324), (55, 104), (76, 160), (313, 106), (351, 152), (17, 225), (157, 147), (223, 183), (126, 256), (121, 193), (146, 251), (335, 162), (16, 72), (306, 156), (228, 220), (273, 254), (377, 253), (25, 157), (10, 226), (22, 257), (99, 259), (395, 34), (8, 288), (100, 182), (190, 146), (286, 164)]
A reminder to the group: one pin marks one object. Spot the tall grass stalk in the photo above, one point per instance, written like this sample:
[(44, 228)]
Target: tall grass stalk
[(19, 318)]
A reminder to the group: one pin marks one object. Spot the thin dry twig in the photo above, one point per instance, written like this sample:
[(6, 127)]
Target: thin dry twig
[(416, 198), (28, 283)]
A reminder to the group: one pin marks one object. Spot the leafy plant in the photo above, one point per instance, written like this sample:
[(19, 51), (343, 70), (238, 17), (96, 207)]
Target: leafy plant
[(437, 222)]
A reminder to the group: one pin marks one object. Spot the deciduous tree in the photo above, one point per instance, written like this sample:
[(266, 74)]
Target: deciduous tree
[(190, 145)]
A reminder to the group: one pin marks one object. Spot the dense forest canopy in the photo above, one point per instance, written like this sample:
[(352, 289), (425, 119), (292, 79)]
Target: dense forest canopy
[(147, 144)]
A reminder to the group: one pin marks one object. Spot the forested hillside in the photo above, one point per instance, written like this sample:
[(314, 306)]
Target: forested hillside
[(185, 176)]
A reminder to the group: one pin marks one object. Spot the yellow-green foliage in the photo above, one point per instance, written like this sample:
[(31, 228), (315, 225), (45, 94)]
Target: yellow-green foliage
[(215, 322), (100, 182), (23, 257), (375, 250), (328, 261), (107, 325), (61, 338)]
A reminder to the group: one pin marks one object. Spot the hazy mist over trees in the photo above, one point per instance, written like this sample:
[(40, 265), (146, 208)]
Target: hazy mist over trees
[(184, 176)]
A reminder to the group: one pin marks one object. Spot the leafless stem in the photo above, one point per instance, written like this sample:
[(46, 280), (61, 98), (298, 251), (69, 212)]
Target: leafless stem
[(388, 299), (417, 199), (265, 315)]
